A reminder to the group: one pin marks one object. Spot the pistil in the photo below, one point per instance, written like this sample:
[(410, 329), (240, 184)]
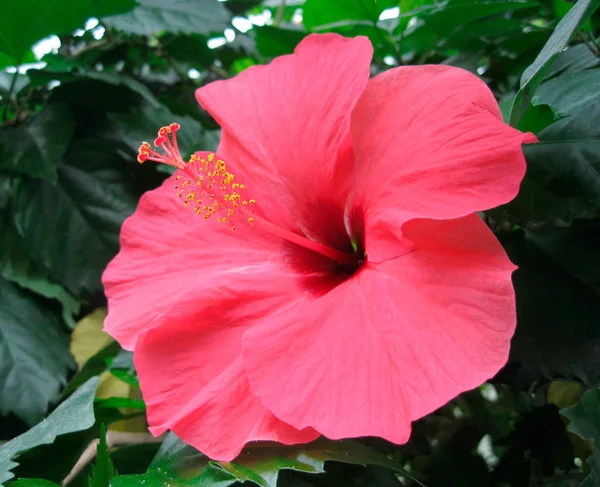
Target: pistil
[(205, 182)]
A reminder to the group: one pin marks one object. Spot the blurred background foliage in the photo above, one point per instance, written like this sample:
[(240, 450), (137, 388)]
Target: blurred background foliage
[(82, 82)]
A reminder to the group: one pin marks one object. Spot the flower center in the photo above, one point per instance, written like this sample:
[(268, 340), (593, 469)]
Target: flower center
[(204, 182)]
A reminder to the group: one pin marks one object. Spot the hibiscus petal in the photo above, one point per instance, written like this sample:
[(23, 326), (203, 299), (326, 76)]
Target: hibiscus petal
[(429, 142), (172, 260), (287, 125), (193, 383), (395, 341)]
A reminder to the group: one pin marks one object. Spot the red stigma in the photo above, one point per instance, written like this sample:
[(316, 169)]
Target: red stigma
[(167, 143)]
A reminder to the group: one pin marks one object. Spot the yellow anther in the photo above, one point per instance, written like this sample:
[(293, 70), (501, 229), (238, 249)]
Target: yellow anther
[(206, 179)]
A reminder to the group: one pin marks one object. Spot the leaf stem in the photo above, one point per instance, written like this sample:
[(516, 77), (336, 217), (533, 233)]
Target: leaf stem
[(9, 95), (279, 14)]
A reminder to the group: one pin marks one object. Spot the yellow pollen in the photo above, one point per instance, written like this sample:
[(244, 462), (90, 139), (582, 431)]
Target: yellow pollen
[(208, 178), (202, 177)]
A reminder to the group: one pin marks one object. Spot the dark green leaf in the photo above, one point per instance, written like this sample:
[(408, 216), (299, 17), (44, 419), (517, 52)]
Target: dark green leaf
[(39, 148), (134, 459), (151, 17), (557, 327), (180, 465), (75, 414), (585, 416), (275, 41), (537, 447), (536, 119), (444, 17), (24, 23), (563, 175), (75, 81), (17, 266), (585, 422), (32, 483), (103, 470), (120, 79), (143, 124), (191, 49), (72, 227), (94, 366), (570, 94), (210, 477), (34, 354), (125, 376), (575, 248), (562, 35), (467, 34), (574, 60), (6, 79)]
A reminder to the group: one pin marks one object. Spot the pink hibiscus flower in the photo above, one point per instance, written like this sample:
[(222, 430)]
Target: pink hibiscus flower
[(359, 290)]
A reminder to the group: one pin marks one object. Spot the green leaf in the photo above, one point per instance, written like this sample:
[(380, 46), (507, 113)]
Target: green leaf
[(95, 366), (125, 376), (39, 148), (275, 41), (116, 79), (74, 414), (178, 464), (560, 38), (6, 79), (151, 17), (446, 16), (24, 23), (210, 477), (34, 354), (563, 175), (536, 118), (585, 416), (121, 402), (574, 60), (570, 94), (143, 124), (557, 327), (469, 34), (103, 470), (585, 422), (72, 78), (17, 266), (190, 49), (593, 479), (86, 209), (6, 60), (575, 248), (322, 13), (32, 483)]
